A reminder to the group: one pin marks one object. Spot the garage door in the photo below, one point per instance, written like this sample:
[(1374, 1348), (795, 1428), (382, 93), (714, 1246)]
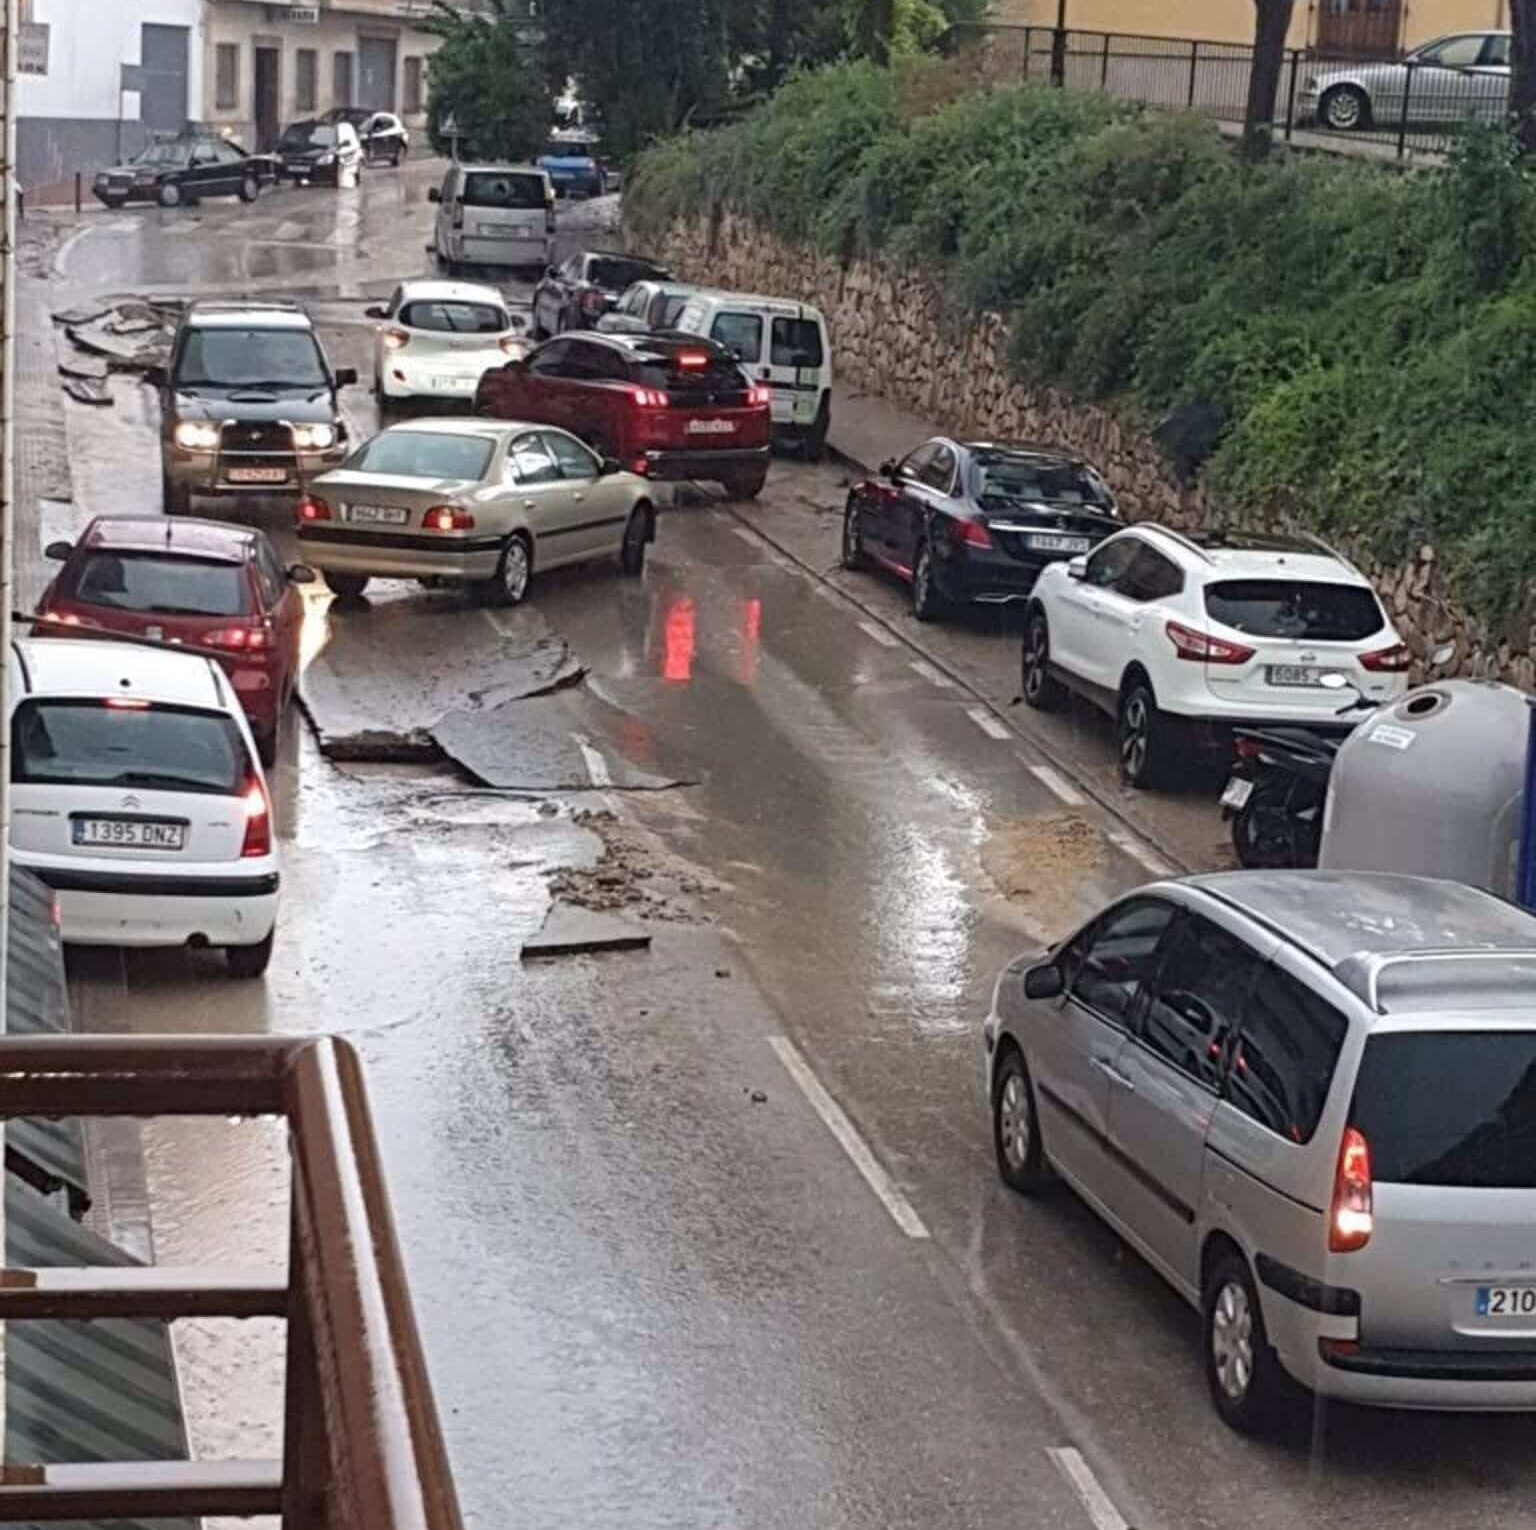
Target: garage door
[(376, 73)]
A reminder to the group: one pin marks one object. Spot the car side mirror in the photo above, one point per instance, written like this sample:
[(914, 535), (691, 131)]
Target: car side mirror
[(345, 376), (300, 573), (888, 469), (1077, 568), (377, 311), (58, 551), (609, 466), (1044, 982), (434, 193)]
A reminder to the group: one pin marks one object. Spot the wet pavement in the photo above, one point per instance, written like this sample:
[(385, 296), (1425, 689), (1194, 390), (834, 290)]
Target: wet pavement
[(655, 1284)]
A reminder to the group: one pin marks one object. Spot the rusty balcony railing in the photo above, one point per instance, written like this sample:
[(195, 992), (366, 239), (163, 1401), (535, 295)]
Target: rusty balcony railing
[(362, 1448)]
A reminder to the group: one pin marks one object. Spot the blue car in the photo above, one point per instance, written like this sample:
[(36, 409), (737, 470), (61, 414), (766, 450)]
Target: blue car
[(573, 169)]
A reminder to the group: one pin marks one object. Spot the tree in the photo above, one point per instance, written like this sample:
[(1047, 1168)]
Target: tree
[(1272, 24), (1522, 72), (485, 77)]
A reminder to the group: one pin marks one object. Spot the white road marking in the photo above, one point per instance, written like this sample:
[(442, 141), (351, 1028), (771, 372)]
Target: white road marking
[(496, 620), (1100, 1507), (597, 766), (1052, 781), (986, 722), (848, 1138), (879, 634), (932, 674), (1142, 854), (747, 535)]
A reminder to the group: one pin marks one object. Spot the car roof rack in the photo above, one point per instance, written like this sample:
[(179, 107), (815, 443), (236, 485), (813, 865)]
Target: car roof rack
[(1184, 541)]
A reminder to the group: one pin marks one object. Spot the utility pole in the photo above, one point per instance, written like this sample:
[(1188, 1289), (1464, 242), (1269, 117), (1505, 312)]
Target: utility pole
[(1059, 46), (10, 193)]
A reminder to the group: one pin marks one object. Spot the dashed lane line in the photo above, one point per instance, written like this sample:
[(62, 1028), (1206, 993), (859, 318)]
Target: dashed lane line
[(1057, 784), (848, 1138), (987, 723), (931, 673), (878, 634), (1100, 1506), (597, 766), (1141, 854)]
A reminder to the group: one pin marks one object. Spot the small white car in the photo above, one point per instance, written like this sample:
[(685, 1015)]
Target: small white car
[(435, 339), (138, 797), (1180, 637)]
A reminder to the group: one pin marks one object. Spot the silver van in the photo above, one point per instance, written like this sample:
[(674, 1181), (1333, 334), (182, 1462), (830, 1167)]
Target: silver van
[(1309, 1100), (494, 215)]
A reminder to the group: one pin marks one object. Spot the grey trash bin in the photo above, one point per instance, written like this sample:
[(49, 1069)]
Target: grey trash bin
[(1432, 786)]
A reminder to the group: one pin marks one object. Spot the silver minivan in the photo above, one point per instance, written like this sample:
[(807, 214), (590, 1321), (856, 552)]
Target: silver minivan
[(1309, 1100), (494, 215)]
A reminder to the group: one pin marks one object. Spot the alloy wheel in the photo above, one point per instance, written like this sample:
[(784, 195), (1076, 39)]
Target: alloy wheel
[(1035, 644), (852, 537), (514, 571), (1013, 1125), (1232, 1340), (1133, 737)]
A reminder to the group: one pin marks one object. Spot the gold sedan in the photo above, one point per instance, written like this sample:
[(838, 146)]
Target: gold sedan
[(478, 502)]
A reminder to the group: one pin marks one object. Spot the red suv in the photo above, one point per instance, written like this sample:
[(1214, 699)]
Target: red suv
[(667, 406), (206, 584)]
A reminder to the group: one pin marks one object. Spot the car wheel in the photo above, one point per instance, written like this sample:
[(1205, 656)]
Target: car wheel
[(171, 195), (509, 584), (250, 189), (346, 587), (814, 448), (1247, 1382), (1142, 737), (853, 535), (747, 483), (1016, 1127), (175, 498), (1042, 690), (927, 602), (637, 537), (249, 961), (1263, 837), (1345, 109)]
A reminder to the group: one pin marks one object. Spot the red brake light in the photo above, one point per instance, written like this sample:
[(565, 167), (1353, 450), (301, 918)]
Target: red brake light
[(973, 534), (513, 345), (1393, 660), (642, 466), (447, 518), (312, 508), (258, 820), (692, 359), (1203, 648), (239, 639), (759, 395), (396, 339), (1350, 1218), (650, 398)]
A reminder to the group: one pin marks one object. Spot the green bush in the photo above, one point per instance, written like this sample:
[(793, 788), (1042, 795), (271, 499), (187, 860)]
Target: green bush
[(1368, 337)]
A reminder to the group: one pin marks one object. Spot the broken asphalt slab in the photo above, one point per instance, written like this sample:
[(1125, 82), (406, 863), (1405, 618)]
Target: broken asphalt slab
[(569, 931)]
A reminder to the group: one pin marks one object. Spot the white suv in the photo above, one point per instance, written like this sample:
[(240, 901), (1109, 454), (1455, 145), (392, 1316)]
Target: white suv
[(1180, 637), (136, 794)]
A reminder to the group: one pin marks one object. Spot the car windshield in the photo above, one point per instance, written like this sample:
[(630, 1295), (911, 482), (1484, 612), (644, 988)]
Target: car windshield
[(423, 454), (568, 151), (1035, 480), (157, 584), (455, 318), (795, 343), (684, 371), (614, 273), (250, 358), (316, 135), (1449, 1108), (97, 743), (1296, 609), (499, 188), (739, 333), (163, 154)]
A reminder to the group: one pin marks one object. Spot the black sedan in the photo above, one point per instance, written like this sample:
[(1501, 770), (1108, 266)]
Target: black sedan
[(578, 293), (178, 171), (966, 521)]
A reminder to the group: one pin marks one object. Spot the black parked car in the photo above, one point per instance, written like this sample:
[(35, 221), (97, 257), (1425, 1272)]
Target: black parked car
[(178, 171), (975, 521), (577, 294), (384, 136)]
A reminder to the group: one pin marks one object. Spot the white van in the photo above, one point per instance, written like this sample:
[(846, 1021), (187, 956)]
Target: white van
[(494, 215), (778, 342)]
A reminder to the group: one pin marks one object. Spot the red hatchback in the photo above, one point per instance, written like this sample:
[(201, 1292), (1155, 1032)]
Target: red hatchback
[(666, 406), (206, 584)]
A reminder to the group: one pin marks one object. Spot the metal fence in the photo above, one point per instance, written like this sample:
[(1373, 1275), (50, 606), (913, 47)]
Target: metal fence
[(1383, 107)]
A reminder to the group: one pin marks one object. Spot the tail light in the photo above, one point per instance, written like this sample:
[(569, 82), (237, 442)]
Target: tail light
[(973, 534), (1350, 1219), (759, 395), (1389, 661), (1202, 648), (239, 639), (396, 339), (1248, 749), (47, 618), (642, 466), (693, 361), (447, 518), (258, 820), (650, 398), (312, 508), (513, 345)]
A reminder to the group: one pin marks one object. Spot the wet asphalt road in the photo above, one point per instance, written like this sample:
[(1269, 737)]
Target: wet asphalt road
[(653, 1286)]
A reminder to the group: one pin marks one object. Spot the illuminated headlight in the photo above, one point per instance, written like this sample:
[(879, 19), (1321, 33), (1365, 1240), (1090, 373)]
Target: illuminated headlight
[(313, 438), (197, 435)]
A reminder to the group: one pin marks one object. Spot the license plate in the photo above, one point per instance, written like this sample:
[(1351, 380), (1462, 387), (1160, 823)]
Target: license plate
[(1237, 793), (378, 515), (711, 427), (1295, 674), (258, 475), (452, 384), (1044, 542), (128, 834), (1506, 1301)]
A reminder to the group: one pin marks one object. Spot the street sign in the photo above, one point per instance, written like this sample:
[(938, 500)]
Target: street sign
[(32, 48), (304, 15)]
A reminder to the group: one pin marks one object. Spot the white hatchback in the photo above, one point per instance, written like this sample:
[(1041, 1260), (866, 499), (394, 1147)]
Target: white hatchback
[(435, 339), (1180, 637), (137, 795)]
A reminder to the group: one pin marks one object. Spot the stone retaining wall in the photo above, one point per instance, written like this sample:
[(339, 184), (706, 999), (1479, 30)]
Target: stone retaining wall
[(895, 337)]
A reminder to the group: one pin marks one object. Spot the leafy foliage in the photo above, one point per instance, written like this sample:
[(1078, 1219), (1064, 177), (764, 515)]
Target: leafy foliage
[(1367, 338), (484, 77)]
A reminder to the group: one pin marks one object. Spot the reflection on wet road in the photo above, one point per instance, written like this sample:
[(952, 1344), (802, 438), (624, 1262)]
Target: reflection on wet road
[(655, 1287)]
